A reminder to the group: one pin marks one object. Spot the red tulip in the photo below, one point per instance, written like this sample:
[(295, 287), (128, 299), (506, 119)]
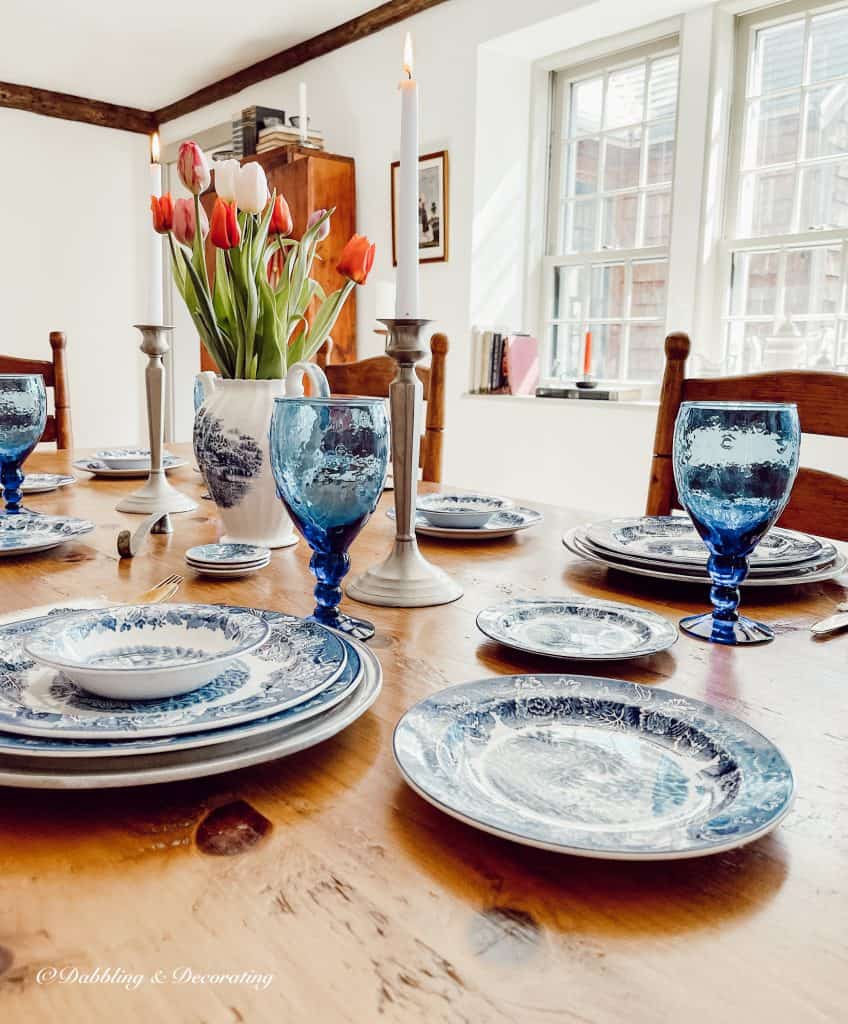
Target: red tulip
[(224, 231), (193, 168), (275, 268), (184, 221), (281, 218), (357, 259), (162, 208)]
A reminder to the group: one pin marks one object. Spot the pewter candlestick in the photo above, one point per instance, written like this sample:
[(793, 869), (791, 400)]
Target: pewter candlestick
[(405, 579), (157, 495)]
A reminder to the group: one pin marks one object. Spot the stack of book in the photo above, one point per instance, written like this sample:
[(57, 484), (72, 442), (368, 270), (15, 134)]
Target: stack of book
[(247, 126), (503, 363), (284, 135)]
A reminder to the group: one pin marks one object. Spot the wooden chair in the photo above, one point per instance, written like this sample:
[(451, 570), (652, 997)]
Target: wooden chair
[(55, 374), (819, 502), (373, 377)]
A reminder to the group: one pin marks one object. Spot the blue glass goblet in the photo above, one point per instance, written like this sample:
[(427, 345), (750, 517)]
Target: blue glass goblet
[(23, 413), (734, 466), (329, 458)]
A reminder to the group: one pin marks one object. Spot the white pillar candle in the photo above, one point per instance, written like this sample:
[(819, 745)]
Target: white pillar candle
[(154, 295), (302, 120), (406, 300)]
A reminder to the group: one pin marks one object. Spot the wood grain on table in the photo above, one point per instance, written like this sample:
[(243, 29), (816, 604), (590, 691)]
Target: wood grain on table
[(362, 902)]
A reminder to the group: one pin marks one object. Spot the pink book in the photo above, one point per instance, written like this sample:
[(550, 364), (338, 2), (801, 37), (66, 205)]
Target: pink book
[(521, 361)]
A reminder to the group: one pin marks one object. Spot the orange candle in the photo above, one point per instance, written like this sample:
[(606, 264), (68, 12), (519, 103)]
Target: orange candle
[(587, 355)]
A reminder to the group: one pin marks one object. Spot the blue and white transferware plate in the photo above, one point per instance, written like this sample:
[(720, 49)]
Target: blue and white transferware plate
[(170, 766), (24, 533), (58, 748), (298, 660), (146, 651), (227, 555), (126, 458), (229, 574), (99, 468), (792, 575), (674, 540), (466, 511), (594, 767), (583, 628), (41, 483), (501, 524)]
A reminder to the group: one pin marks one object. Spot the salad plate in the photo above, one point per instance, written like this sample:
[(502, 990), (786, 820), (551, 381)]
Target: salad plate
[(581, 628), (171, 766), (466, 511), (225, 574), (298, 660), (594, 767), (25, 533), (227, 556), (675, 541), (41, 483), (99, 468), (58, 749), (148, 651), (575, 541), (501, 524)]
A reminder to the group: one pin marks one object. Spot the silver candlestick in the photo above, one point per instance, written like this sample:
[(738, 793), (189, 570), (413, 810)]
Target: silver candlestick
[(405, 579), (157, 495)]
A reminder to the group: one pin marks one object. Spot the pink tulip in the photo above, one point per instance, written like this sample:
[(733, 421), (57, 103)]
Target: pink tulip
[(324, 230), (184, 221), (193, 168)]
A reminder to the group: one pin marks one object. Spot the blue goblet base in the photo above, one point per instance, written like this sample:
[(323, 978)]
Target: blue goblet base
[(723, 631), (359, 629)]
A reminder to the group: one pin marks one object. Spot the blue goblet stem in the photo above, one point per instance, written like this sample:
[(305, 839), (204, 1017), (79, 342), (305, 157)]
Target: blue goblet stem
[(329, 569), (726, 573), (11, 478)]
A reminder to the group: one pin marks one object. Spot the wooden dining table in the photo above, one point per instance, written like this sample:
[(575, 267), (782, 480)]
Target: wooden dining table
[(320, 888)]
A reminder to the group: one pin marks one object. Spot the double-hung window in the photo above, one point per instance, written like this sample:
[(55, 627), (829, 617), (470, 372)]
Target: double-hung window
[(612, 161), (787, 216)]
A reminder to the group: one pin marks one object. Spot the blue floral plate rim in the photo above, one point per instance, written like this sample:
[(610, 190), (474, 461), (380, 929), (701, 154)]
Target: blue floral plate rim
[(226, 554), (763, 795)]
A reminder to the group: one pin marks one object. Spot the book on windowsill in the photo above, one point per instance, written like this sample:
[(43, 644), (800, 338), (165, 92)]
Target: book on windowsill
[(606, 391), (503, 363)]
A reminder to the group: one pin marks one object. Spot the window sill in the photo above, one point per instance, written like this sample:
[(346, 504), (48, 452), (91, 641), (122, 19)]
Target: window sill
[(573, 402)]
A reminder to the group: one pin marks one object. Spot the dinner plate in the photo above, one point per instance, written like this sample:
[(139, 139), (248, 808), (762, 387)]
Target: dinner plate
[(673, 540), (594, 767), (582, 628), (298, 661), (58, 749), (144, 770), (41, 483), (25, 533), (575, 541), (100, 469), (502, 524)]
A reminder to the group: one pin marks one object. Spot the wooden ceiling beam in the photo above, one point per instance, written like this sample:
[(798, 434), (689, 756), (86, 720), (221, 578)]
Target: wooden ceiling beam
[(76, 108), (333, 39)]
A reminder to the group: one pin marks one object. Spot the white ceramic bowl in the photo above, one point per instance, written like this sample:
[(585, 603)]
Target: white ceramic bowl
[(146, 652), (460, 511), (125, 458)]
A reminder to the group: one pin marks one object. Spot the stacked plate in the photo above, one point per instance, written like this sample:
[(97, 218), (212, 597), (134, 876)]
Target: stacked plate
[(669, 548), (125, 463), (466, 517), (25, 533), (41, 483), (284, 684), (227, 560)]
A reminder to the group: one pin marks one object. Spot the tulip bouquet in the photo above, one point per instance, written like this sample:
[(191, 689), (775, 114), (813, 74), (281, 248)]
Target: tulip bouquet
[(252, 319)]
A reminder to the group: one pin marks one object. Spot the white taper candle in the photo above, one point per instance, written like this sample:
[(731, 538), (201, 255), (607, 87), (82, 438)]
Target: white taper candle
[(406, 301)]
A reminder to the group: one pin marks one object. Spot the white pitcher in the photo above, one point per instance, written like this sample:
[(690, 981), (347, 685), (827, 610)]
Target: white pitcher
[(231, 431)]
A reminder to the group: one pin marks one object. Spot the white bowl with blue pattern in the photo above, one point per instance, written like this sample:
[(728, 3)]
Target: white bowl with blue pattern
[(146, 652), (460, 511)]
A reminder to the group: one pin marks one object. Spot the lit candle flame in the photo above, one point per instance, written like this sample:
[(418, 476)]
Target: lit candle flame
[(407, 55), (154, 148)]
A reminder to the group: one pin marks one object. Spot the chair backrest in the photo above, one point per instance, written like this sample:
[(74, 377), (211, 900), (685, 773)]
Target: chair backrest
[(55, 374), (373, 377), (819, 502)]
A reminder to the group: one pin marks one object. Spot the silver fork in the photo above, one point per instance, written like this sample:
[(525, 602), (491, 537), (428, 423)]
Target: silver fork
[(163, 590)]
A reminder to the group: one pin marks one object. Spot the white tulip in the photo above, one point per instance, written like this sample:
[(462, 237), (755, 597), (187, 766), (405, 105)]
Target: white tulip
[(225, 179), (251, 189)]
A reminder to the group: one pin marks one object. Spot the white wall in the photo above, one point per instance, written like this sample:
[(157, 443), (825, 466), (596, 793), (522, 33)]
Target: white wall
[(473, 61), (74, 221)]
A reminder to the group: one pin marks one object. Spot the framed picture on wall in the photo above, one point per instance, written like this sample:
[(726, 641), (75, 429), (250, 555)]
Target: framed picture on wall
[(432, 207)]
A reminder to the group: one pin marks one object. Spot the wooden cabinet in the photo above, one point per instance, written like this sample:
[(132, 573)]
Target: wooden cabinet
[(312, 180)]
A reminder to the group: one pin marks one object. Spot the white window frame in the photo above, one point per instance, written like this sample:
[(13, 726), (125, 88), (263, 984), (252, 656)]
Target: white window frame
[(561, 80), (747, 26)]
